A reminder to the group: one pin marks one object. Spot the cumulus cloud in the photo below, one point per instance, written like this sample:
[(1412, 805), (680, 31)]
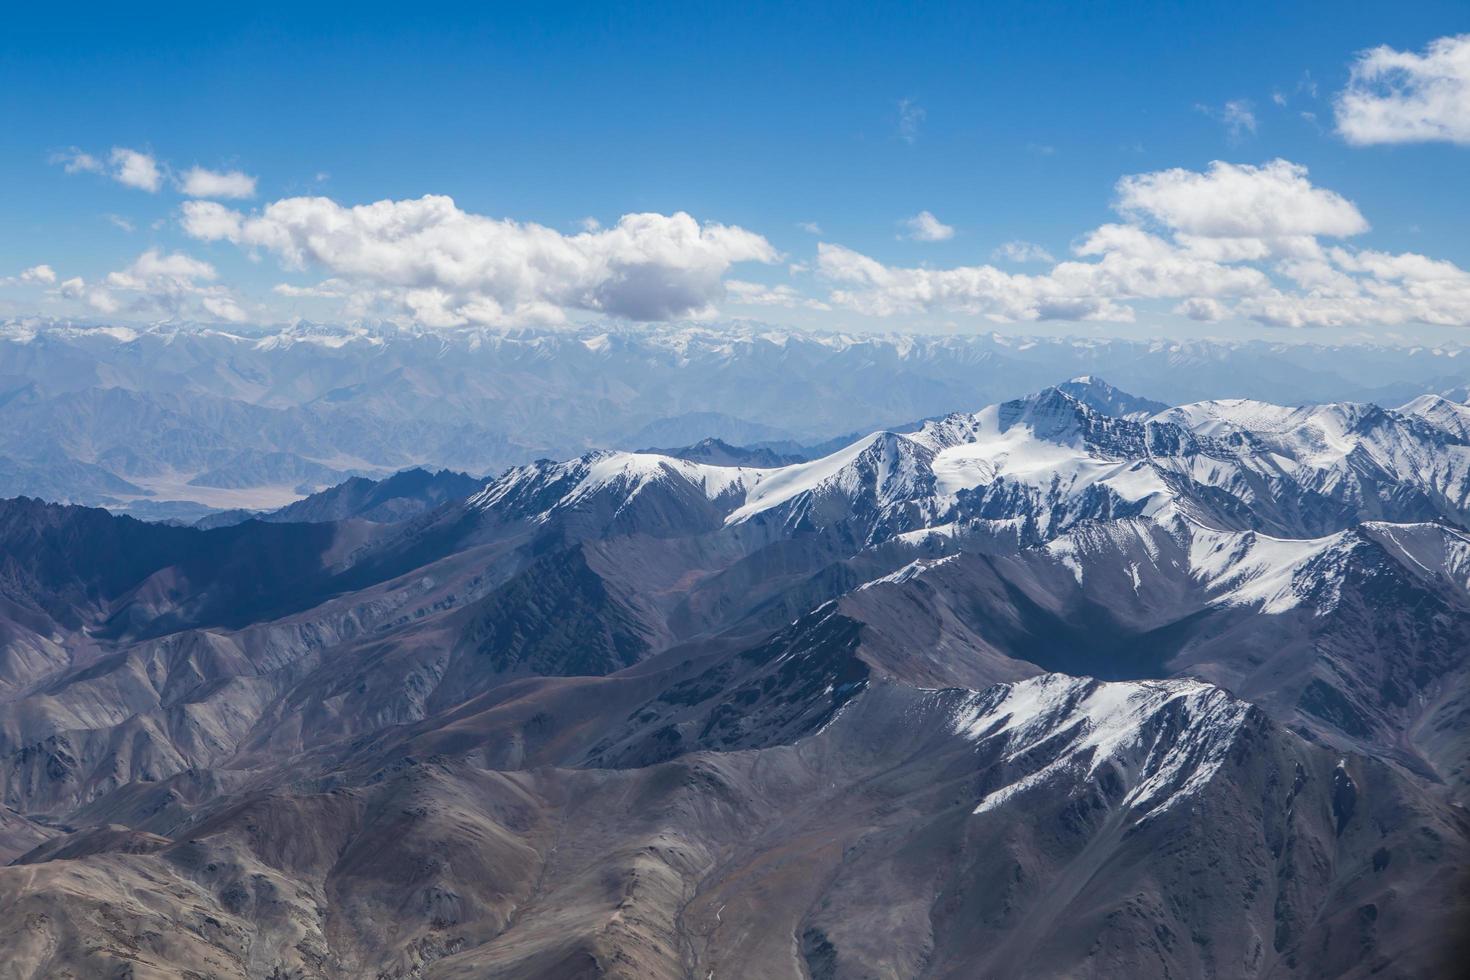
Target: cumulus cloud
[(1354, 287), (924, 227), (868, 286), (39, 274), (36, 275), (1203, 309), (154, 266), (133, 168), (1271, 204), (1402, 97), (446, 267), (1233, 240), (1022, 252), (173, 284), (199, 182)]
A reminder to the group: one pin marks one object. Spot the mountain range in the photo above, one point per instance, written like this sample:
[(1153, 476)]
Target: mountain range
[(175, 421), (1077, 684)]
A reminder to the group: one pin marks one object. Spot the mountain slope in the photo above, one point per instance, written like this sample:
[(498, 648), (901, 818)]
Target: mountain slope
[(886, 841)]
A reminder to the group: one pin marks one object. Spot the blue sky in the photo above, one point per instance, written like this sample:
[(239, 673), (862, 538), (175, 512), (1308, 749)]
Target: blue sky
[(1005, 125)]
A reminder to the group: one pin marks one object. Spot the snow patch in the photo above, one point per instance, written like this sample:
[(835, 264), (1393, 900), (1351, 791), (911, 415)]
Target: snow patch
[(1086, 723)]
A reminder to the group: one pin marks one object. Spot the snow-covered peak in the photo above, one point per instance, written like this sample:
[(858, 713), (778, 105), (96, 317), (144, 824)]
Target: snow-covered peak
[(1100, 396), (1448, 416), (1317, 435), (885, 466), (1052, 462), (1432, 551), (1051, 414), (1035, 454), (1270, 574), (1163, 739), (539, 489)]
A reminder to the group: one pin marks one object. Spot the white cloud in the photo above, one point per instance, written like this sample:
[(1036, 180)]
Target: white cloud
[(133, 168), (1281, 309), (326, 289), (1019, 251), (1402, 97), (1231, 241), (36, 275), (810, 227), (910, 118), (1357, 287), (1271, 203), (1239, 118), (756, 294), (1235, 240), (224, 308), (199, 182), (867, 286), (173, 284), (212, 222), (154, 266), (443, 266), (102, 301), (120, 222), (1203, 309), (924, 227), (74, 161)]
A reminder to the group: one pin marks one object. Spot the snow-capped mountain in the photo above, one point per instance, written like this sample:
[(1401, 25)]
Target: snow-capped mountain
[(1034, 686), (173, 419), (1047, 462)]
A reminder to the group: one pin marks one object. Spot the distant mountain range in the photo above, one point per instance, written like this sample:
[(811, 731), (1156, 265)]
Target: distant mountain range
[(174, 421), (1078, 684)]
